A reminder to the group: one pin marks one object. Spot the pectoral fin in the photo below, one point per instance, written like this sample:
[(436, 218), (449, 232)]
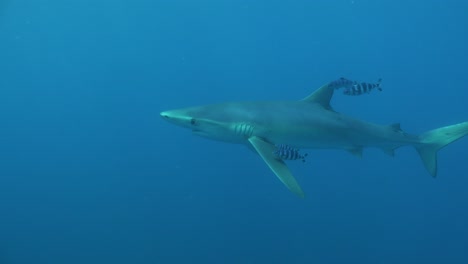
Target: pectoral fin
[(266, 151)]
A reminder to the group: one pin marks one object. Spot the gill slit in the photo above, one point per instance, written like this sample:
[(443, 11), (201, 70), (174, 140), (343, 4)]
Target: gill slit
[(244, 130)]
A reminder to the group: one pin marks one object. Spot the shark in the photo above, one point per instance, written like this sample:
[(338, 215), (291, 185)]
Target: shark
[(309, 123)]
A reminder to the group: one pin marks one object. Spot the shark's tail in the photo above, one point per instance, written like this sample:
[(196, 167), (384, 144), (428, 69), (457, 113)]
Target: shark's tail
[(432, 141)]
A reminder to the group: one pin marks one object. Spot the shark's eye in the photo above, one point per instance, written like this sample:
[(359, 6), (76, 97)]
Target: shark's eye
[(193, 121)]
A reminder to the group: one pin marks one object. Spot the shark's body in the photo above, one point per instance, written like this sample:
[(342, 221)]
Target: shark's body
[(308, 123)]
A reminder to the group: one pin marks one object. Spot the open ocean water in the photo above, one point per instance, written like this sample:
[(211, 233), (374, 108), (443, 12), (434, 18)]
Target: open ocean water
[(89, 172)]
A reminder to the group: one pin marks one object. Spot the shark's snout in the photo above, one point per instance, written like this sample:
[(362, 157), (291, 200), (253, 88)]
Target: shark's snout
[(169, 117), (164, 115), (176, 117)]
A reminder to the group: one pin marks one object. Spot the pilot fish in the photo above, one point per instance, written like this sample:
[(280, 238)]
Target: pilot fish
[(354, 87), (362, 88), (286, 152)]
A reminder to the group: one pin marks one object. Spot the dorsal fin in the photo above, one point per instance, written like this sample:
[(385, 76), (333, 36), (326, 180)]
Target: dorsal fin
[(321, 96)]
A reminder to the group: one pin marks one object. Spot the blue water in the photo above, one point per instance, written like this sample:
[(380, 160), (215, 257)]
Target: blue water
[(89, 172)]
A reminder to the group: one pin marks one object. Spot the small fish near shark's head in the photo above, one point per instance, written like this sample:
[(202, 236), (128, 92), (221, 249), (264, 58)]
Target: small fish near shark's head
[(206, 121)]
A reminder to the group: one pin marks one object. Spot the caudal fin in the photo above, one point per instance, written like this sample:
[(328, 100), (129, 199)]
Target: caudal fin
[(432, 141)]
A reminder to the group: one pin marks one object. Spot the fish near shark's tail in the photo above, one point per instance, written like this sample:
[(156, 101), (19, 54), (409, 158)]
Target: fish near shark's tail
[(432, 141)]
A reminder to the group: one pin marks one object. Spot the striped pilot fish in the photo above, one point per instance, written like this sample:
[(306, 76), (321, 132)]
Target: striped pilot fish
[(286, 152), (354, 87), (341, 83), (362, 87)]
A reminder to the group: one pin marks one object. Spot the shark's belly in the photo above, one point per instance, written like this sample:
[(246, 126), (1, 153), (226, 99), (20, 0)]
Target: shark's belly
[(331, 131), (311, 133), (310, 140)]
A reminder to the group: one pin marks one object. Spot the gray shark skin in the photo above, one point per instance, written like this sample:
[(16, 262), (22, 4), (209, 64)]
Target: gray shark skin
[(308, 123)]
